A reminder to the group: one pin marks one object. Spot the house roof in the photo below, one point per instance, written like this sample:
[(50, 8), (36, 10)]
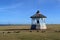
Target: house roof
[(38, 15)]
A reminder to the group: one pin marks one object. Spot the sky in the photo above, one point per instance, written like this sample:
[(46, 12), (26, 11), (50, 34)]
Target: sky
[(19, 11)]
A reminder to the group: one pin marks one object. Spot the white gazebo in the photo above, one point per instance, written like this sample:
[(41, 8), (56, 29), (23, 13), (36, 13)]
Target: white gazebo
[(38, 21)]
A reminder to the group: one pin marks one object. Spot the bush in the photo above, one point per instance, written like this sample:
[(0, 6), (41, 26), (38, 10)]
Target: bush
[(8, 32), (37, 31), (30, 31), (16, 31)]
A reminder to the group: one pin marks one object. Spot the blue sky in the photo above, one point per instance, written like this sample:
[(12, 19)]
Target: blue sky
[(19, 11)]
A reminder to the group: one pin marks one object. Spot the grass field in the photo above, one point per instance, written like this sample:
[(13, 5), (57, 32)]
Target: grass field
[(52, 33)]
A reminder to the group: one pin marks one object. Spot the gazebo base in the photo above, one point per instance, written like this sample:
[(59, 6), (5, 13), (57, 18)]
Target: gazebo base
[(33, 27)]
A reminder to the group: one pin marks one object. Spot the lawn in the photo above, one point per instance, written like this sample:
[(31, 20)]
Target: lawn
[(49, 34)]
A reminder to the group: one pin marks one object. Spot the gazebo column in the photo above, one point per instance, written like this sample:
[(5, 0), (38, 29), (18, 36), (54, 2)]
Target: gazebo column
[(33, 21), (38, 23), (33, 24), (43, 25)]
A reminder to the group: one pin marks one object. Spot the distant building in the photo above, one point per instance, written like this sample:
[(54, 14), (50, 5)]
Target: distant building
[(38, 21)]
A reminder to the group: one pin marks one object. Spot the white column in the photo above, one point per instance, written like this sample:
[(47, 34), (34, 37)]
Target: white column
[(43, 25), (33, 21), (38, 24)]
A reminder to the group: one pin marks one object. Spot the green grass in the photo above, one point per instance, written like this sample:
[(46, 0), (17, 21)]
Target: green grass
[(50, 33)]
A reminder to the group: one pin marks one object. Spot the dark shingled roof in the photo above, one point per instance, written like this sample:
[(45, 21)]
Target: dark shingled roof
[(38, 15)]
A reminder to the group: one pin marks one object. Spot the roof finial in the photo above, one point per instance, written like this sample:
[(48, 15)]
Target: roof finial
[(37, 12)]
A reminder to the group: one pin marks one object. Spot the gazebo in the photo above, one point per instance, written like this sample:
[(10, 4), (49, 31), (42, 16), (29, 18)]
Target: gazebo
[(38, 21)]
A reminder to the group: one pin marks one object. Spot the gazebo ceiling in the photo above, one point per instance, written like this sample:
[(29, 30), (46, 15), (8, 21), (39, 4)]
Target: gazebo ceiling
[(38, 15)]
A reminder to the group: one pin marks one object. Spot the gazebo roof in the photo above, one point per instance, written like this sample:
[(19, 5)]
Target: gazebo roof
[(38, 15)]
